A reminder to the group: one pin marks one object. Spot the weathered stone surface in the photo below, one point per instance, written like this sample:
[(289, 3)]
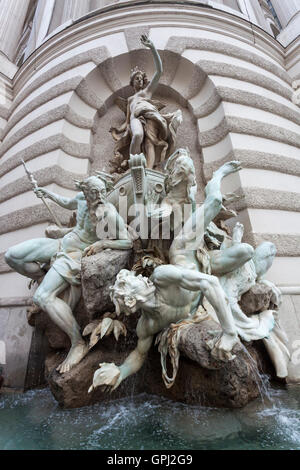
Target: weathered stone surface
[(56, 338), (192, 344), (257, 299), (98, 274), (15, 345), (200, 379), (1, 378), (203, 380), (71, 389)]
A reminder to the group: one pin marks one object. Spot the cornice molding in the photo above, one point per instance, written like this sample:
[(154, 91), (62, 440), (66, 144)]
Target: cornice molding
[(153, 14)]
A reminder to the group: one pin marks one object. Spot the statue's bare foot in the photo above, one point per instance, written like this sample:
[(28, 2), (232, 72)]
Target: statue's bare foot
[(77, 352), (238, 232), (228, 168), (222, 347)]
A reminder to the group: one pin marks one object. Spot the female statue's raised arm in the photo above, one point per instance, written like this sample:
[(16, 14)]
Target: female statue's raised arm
[(158, 64)]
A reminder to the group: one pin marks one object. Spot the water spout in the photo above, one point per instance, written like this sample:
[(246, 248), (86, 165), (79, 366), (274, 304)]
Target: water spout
[(261, 380)]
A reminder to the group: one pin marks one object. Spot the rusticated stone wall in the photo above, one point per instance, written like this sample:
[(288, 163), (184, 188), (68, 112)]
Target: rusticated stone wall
[(233, 80)]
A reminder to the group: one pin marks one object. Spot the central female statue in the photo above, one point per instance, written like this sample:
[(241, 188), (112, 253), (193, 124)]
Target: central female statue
[(146, 130)]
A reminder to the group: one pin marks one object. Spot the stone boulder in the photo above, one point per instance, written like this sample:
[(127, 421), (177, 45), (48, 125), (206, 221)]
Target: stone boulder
[(204, 380), (71, 389), (98, 274), (256, 300), (200, 380)]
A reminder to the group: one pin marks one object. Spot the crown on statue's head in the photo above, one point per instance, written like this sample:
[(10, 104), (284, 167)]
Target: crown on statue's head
[(134, 72)]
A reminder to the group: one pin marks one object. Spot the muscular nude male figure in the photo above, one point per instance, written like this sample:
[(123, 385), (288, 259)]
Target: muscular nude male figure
[(173, 292), (65, 255)]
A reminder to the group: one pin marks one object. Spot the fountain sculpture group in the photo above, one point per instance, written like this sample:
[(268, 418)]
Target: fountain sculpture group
[(190, 270)]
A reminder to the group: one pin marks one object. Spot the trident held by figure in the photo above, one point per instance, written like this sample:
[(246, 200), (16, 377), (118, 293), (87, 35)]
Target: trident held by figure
[(34, 185)]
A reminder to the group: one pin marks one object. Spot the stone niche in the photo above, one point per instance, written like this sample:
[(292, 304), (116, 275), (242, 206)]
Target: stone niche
[(187, 134)]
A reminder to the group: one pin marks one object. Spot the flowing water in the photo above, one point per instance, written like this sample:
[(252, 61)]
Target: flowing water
[(34, 421), (262, 380)]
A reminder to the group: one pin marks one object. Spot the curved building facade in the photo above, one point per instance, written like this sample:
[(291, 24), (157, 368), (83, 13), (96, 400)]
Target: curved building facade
[(232, 66)]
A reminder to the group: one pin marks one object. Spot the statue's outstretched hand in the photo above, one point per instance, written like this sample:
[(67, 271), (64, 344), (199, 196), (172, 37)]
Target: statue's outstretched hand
[(107, 376), (146, 42), (41, 192)]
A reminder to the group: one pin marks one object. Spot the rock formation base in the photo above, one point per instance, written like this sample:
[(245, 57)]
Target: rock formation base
[(200, 380)]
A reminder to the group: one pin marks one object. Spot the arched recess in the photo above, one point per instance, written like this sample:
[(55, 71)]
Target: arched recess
[(183, 85), (89, 93)]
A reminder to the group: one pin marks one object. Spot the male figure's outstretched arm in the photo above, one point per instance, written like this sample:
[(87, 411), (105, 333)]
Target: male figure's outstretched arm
[(110, 376), (214, 198), (65, 202), (135, 360)]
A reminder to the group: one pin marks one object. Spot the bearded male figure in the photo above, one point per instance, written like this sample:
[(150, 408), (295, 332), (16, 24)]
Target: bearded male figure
[(65, 255), (174, 291)]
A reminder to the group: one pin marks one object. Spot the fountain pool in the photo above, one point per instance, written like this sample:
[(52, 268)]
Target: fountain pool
[(34, 421)]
